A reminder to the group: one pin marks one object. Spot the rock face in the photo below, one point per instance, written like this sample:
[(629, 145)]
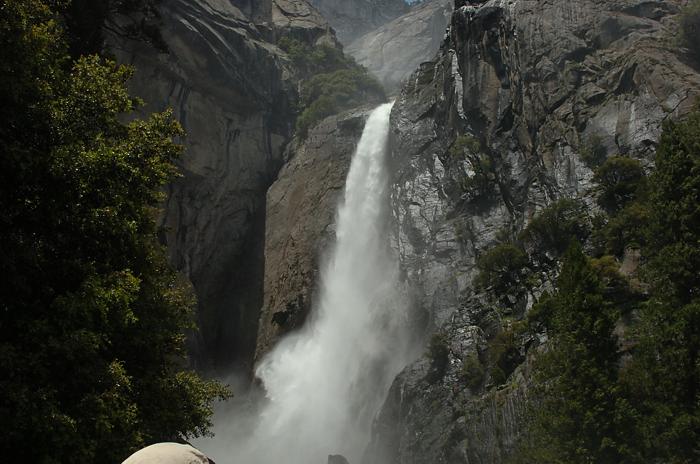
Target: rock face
[(233, 92), (535, 83), (353, 18), (393, 51), (301, 208)]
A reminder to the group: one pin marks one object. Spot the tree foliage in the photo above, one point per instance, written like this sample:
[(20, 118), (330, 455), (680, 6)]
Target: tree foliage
[(500, 268), (619, 179), (575, 421), (594, 404), (91, 316), (553, 229), (664, 378), (332, 82)]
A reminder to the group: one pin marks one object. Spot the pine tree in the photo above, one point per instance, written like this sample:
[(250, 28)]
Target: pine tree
[(91, 316), (572, 419), (664, 378)]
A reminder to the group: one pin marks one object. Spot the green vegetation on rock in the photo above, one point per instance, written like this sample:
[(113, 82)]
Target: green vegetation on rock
[(635, 399), (555, 227), (479, 181), (620, 179), (473, 372), (593, 152), (500, 268), (574, 420), (93, 319), (332, 82), (504, 355)]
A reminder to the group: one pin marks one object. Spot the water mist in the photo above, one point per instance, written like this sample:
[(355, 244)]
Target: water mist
[(325, 383)]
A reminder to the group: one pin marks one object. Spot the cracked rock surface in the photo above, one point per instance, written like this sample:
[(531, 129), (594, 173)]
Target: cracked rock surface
[(393, 51), (300, 226), (535, 82), (233, 91)]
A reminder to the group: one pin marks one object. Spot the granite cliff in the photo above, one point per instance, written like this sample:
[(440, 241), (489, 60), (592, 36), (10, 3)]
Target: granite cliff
[(234, 92), (533, 84), (395, 49), (300, 222), (353, 18)]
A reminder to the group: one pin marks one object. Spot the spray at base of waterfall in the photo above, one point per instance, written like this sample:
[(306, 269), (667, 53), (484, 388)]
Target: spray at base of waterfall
[(325, 383)]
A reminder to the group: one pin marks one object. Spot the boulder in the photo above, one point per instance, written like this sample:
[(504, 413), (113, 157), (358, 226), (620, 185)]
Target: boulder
[(168, 453)]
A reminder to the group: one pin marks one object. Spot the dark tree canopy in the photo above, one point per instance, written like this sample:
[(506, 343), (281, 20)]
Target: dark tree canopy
[(92, 318), (592, 403)]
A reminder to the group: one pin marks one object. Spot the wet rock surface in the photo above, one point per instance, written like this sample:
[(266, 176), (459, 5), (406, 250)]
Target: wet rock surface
[(300, 225), (535, 83)]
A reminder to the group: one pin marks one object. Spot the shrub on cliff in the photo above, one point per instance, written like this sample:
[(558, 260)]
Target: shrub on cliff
[(593, 152), (555, 227), (479, 179), (500, 268), (92, 318), (504, 355), (575, 418), (619, 179), (331, 82)]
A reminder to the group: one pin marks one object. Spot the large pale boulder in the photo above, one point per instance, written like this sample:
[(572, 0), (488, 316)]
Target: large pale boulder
[(168, 453)]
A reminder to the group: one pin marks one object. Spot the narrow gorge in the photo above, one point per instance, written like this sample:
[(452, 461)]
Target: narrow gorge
[(352, 231), (533, 87)]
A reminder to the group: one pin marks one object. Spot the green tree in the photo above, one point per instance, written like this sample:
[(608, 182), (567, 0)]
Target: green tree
[(574, 419), (664, 377), (553, 229), (332, 82), (619, 179), (501, 268), (92, 318)]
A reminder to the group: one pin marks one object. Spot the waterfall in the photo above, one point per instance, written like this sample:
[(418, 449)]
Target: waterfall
[(325, 383)]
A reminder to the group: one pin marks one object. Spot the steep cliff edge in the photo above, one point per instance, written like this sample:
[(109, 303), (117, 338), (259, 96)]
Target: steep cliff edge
[(531, 85), (352, 18), (233, 91), (300, 226), (393, 51)]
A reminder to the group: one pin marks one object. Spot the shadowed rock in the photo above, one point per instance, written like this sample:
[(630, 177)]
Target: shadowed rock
[(337, 459), (536, 82)]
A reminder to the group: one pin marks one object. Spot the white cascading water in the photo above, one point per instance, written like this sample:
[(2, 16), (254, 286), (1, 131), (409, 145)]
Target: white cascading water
[(325, 383)]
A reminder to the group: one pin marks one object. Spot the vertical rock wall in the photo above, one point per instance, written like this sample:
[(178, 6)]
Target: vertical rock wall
[(353, 18), (394, 50), (233, 91), (533, 82), (300, 227)]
